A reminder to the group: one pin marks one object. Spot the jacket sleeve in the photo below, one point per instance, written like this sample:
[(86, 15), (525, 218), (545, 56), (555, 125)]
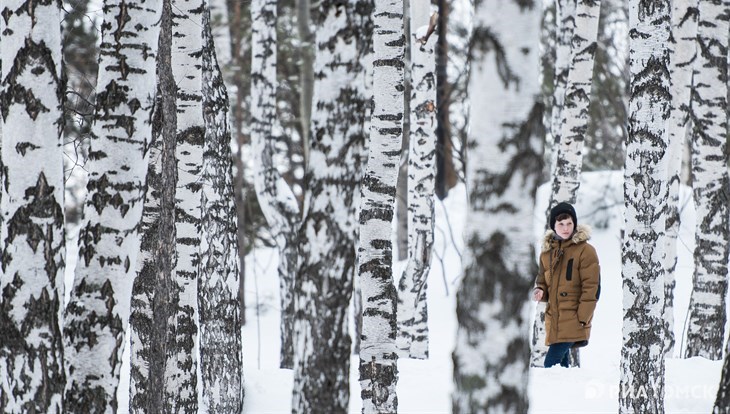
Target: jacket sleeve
[(540, 283), (590, 275)]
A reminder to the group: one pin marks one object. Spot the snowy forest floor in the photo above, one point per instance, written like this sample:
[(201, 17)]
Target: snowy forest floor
[(426, 386)]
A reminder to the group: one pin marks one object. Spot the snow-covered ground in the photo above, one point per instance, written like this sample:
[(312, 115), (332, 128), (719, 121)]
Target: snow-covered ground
[(426, 386)]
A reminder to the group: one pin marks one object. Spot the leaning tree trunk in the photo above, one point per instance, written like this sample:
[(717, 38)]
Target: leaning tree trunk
[(706, 327), (378, 357), (412, 340), (32, 240), (328, 232), (151, 304), (684, 34), (220, 336), (276, 199), (97, 314), (645, 194), (502, 176)]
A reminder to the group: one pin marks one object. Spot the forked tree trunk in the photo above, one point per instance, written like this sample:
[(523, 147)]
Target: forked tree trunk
[(98, 312), (641, 387), (32, 237), (502, 177)]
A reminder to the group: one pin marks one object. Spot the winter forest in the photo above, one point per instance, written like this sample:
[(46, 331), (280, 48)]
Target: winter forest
[(222, 206)]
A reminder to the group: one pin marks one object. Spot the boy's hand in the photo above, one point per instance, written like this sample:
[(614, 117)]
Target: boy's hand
[(537, 294)]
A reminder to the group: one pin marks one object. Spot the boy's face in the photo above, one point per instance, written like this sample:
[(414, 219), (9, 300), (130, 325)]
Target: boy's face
[(564, 228)]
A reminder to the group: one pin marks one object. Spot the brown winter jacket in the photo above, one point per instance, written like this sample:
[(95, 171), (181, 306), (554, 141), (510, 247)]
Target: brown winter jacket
[(570, 278)]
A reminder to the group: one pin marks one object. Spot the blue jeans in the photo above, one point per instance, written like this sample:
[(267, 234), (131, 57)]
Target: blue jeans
[(558, 354)]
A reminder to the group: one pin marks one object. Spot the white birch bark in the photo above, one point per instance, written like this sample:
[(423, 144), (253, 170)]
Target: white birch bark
[(276, 199), (412, 340), (151, 299), (186, 61), (710, 184), (378, 356), (503, 170), (566, 26), (684, 36), (98, 311), (32, 234), (220, 339), (329, 229), (641, 386), (574, 114)]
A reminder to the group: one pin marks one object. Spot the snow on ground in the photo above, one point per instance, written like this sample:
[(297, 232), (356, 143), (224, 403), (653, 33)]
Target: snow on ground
[(426, 386)]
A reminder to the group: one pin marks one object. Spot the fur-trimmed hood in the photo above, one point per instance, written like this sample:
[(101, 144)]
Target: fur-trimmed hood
[(581, 234)]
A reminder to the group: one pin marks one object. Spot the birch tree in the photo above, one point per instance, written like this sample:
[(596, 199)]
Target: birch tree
[(276, 199), (503, 171), (412, 340), (641, 386), (97, 314), (32, 226), (706, 327), (684, 37), (574, 114), (186, 64), (151, 297), (722, 401), (329, 229), (378, 357), (220, 339)]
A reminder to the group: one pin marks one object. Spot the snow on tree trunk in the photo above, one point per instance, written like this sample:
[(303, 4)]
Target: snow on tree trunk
[(329, 229), (684, 34), (574, 114), (151, 300), (220, 339), (645, 194), (722, 401), (412, 340), (503, 171), (97, 314), (378, 357), (706, 327), (32, 241), (186, 68), (276, 199)]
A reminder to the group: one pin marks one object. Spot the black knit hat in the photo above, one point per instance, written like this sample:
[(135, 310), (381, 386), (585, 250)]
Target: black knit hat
[(559, 209)]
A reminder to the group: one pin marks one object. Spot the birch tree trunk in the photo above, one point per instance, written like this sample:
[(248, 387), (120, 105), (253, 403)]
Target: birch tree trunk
[(503, 171), (574, 114), (329, 228), (186, 68), (304, 20), (32, 237), (412, 340), (276, 199), (684, 35), (151, 299), (566, 26), (378, 357), (706, 327), (99, 308), (645, 194), (722, 401), (220, 336)]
